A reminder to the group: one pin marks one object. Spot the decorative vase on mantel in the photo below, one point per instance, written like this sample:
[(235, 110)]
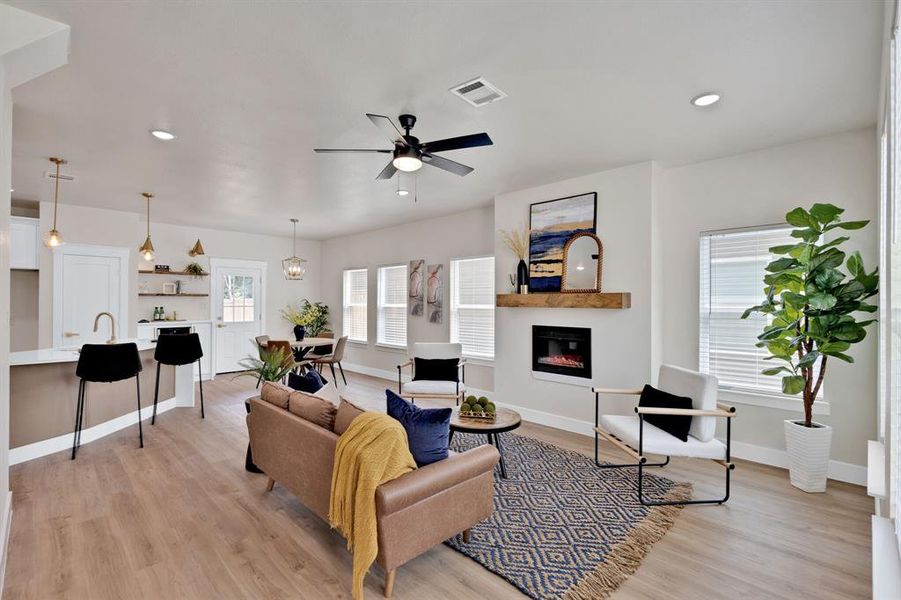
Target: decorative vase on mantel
[(808, 454), (522, 277), (299, 332)]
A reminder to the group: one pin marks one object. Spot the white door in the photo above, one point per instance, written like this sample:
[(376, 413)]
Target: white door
[(88, 280), (238, 309)]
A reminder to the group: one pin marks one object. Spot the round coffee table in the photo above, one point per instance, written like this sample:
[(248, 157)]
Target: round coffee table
[(506, 420)]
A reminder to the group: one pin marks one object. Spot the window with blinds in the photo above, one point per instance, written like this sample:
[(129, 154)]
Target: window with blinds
[(392, 305), (732, 270), (472, 305), (354, 304)]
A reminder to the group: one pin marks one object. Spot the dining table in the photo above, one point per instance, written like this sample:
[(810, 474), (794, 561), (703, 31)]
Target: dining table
[(307, 344)]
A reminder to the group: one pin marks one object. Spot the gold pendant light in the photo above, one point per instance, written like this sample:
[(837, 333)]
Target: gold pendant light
[(293, 266), (197, 250), (146, 248), (52, 238)]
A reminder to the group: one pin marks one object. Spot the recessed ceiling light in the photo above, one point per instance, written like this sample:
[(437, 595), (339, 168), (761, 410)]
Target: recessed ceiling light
[(162, 134), (706, 99)]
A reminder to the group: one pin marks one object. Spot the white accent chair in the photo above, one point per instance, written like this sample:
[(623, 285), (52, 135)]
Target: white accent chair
[(635, 437), (426, 388)]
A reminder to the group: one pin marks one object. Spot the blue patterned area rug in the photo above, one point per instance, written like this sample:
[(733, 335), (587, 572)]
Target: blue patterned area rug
[(562, 528)]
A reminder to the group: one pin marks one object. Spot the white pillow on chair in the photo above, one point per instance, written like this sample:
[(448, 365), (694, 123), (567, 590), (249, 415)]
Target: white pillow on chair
[(700, 387)]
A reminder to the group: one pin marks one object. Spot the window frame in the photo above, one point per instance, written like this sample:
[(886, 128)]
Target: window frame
[(453, 314), (345, 305), (740, 394), (381, 305)]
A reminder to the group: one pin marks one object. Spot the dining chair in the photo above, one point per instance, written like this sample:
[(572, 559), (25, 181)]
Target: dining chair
[(333, 359)]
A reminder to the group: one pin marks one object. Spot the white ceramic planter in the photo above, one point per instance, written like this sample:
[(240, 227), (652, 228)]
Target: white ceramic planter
[(808, 454)]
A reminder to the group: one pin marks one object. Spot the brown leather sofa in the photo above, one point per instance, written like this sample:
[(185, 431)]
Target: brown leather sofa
[(416, 511)]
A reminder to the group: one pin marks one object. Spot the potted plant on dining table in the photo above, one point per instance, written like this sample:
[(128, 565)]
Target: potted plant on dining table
[(811, 304), (310, 318)]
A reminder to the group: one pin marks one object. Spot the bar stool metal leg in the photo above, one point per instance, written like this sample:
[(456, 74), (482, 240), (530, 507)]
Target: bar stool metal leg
[(78, 409), (140, 425), (200, 380), (156, 394)]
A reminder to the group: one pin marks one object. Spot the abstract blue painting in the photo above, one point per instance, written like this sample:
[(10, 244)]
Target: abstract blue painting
[(551, 224)]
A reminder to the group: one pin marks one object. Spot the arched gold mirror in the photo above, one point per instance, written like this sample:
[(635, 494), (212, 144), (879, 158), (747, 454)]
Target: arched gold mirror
[(583, 258)]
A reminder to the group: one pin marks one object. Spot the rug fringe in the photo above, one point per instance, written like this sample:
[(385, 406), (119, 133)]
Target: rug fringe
[(624, 558)]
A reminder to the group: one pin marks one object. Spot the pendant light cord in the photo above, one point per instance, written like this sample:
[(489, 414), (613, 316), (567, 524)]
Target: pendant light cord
[(56, 195)]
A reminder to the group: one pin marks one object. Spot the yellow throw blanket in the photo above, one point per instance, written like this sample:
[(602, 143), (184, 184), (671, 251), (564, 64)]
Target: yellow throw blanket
[(373, 450)]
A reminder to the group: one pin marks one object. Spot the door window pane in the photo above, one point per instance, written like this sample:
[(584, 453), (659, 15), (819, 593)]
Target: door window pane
[(237, 299)]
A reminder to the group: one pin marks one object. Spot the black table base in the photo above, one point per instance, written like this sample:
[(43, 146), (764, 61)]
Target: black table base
[(248, 459), (495, 440)]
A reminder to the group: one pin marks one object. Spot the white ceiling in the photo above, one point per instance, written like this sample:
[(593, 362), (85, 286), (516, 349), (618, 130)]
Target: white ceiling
[(251, 88)]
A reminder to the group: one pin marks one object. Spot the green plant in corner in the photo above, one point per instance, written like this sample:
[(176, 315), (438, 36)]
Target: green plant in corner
[(272, 365), (811, 302), (312, 315)]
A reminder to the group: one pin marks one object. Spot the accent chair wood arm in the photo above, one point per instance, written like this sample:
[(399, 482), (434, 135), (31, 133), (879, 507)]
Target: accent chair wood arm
[(409, 363), (621, 391), (688, 412)]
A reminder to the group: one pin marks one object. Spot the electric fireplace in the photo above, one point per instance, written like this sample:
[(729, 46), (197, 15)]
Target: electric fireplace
[(561, 353)]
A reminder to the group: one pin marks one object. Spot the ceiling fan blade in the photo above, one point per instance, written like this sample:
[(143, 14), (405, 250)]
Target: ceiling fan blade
[(388, 172), (346, 150), (456, 143), (446, 164), (395, 136)]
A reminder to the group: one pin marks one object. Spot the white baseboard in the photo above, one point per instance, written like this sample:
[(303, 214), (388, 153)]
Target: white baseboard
[(839, 471), (64, 442), (5, 527)]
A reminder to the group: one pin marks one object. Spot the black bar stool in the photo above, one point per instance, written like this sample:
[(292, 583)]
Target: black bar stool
[(177, 349), (105, 363)]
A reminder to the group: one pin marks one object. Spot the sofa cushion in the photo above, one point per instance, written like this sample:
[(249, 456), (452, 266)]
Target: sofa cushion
[(313, 409), (310, 382), (675, 425), (347, 412), (275, 393), (436, 369), (330, 393), (428, 429)]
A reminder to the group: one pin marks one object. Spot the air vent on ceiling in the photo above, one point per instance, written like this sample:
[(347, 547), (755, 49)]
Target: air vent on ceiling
[(52, 175), (478, 92)]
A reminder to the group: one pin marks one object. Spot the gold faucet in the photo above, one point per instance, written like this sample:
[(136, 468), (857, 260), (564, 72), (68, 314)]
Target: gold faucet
[(112, 339)]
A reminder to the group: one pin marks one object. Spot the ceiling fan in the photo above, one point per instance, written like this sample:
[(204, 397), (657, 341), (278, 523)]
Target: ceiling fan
[(409, 154)]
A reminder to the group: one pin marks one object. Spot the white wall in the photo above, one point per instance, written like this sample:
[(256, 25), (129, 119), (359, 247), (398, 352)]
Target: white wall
[(439, 240), (759, 188), (79, 224), (624, 340)]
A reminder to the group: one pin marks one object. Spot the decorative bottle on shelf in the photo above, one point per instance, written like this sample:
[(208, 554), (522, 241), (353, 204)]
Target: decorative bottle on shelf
[(522, 277), (156, 313)]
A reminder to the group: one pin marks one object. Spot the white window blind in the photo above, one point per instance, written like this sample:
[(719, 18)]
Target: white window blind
[(732, 270), (472, 305), (392, 323), (355, 301)]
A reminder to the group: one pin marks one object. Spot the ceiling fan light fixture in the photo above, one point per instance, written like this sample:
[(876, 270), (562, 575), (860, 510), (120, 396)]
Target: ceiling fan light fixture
[(407, 164)]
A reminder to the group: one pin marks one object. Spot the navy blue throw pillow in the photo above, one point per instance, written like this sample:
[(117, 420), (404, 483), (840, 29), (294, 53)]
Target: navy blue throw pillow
[(675, 425), (310, 382), (427, 429)]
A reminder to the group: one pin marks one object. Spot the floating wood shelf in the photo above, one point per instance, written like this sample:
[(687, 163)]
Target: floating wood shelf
[(561, 300), (177, 295), (185, 273)]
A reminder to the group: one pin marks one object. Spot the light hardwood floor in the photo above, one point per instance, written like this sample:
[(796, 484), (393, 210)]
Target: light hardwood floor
[(183, 519)]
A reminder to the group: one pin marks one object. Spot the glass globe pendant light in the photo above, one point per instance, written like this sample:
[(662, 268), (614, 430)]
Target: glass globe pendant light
[(146, 249), (293, 266), (53, 238)]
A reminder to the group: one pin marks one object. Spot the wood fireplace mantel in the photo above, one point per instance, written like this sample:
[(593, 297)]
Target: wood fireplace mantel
[(565, 300)]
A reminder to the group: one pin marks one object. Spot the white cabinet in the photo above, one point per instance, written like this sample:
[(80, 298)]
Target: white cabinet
[(24, 242)]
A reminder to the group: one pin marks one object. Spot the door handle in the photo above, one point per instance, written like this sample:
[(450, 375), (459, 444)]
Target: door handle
[(220, 325), (71, 334)]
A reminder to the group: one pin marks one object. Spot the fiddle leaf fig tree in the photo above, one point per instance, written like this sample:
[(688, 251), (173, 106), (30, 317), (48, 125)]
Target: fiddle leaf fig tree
[(812, 302)]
